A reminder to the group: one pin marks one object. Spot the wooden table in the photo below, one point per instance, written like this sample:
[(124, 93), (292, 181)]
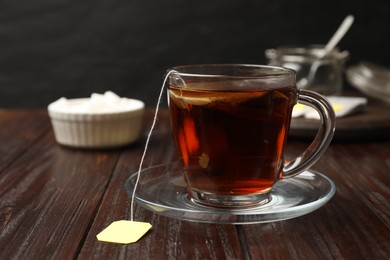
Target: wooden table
[(54, 200)]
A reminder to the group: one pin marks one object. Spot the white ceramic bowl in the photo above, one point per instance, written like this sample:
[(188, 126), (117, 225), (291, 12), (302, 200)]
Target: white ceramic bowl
[(96, 128)]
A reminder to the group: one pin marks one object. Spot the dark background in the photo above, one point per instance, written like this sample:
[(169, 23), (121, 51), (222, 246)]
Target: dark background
[(71, 48)]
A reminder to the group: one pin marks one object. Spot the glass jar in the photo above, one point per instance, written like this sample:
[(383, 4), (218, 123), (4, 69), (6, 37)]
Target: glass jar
[(323, 75)]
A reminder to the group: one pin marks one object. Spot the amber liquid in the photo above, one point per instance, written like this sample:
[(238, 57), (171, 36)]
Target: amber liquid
[(231, 142)]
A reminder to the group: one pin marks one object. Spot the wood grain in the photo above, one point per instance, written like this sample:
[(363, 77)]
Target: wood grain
[(54, 200), (169, 238), (18, 130), (353, 225), (49, 196)]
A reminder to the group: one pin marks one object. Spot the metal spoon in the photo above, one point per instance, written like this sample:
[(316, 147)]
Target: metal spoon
[(337, 36)]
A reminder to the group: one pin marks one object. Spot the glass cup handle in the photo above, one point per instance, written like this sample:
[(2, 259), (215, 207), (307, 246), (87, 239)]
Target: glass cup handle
[(322, 139)]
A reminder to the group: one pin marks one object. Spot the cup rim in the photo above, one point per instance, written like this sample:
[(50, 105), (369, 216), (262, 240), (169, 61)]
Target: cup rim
[(269, 71)]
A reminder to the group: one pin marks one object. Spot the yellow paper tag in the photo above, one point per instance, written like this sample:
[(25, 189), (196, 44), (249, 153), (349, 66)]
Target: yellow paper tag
[(124, 232)]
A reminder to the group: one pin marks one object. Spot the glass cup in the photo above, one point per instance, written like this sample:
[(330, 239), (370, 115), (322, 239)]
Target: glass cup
[(230, 124)]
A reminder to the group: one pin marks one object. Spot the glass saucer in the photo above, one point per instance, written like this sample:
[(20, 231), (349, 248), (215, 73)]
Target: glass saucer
[(162, 190)]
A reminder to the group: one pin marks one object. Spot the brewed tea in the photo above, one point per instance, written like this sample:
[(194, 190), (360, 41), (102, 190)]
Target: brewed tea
[(230, 141)]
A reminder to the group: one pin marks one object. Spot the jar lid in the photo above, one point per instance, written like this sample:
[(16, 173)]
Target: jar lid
[(371, 79)]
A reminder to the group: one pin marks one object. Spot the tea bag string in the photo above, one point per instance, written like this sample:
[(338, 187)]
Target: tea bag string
[(147, 142)]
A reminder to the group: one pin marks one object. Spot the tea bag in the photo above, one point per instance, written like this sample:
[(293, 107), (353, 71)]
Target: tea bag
[(124, 232), (130, 231)]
